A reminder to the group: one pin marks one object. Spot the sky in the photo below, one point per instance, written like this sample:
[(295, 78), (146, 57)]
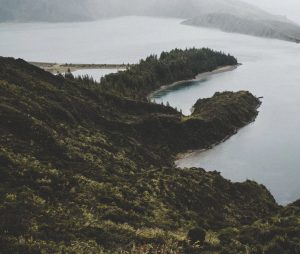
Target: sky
[(288, 8)]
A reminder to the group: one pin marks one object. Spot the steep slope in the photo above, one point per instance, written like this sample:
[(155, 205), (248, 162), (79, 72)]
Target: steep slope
[(83, 169), (276, 234)]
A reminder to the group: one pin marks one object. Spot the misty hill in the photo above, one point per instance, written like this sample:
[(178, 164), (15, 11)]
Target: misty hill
[(227, 15), (85, 168), (56, 10), (263, 28), (44, 10)]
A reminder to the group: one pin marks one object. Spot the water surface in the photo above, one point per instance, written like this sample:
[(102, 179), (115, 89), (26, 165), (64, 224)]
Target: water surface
[(96, 74)]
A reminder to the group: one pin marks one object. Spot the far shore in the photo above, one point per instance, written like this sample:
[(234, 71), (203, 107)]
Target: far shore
[(198, 77), (63, 68)]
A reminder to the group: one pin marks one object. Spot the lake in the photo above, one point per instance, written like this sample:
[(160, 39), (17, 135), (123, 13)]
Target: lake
[(267, 151), (96, 74)]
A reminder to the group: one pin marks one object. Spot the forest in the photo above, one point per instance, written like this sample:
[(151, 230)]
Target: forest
[(153, 72), (88, 167)]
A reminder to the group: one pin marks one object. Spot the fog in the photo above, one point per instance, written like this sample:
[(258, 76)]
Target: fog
[(226, 15), (287, 8), (93, 9), (45, 10)]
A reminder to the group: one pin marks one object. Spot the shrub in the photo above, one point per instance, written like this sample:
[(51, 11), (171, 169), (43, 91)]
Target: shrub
[(197, 235)]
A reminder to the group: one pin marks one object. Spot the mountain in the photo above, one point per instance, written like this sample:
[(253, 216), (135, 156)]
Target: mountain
[(227, 15), (89, 168), (258, 27), (44, 10), (36, 10)]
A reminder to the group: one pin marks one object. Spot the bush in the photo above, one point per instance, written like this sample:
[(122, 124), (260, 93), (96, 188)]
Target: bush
[(197, 235)]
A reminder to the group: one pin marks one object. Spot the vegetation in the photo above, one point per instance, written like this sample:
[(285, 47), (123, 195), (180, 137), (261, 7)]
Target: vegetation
[(197, 235), (85, 170), (154, 72)]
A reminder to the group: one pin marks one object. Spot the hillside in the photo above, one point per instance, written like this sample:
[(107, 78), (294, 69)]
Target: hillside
[(45, 11), (258, 27), (84, 169)]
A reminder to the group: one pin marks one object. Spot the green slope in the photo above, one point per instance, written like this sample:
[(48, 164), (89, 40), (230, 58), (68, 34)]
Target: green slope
[(83, 169)]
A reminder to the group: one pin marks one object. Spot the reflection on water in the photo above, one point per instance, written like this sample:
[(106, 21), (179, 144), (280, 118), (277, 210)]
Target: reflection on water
[(176, 87)]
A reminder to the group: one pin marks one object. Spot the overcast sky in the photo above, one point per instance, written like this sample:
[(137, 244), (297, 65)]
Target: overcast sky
[(288, 8)]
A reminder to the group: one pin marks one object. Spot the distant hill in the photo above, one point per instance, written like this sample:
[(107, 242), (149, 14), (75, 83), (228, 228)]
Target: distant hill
[(44, 10), (257, 27), (227, 15), (6, 15)]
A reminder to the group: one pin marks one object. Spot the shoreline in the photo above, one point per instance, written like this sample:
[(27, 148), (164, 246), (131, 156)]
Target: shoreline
[(55, 68), (198, 77), (201, 76), (187, 154)]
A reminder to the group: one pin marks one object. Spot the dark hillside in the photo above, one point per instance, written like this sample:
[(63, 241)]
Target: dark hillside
[(83, 169)]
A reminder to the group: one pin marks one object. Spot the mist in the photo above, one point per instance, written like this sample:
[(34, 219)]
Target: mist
[(227, 15), (59, 10), (287, 8)]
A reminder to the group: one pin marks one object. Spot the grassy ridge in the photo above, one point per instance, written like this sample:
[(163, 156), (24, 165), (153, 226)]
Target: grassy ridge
[(85, 170)]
